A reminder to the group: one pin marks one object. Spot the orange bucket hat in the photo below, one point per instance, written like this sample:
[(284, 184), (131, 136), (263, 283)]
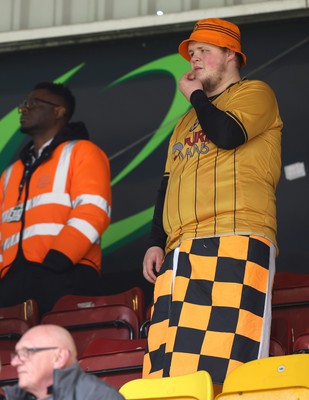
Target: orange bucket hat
[(217, 32)]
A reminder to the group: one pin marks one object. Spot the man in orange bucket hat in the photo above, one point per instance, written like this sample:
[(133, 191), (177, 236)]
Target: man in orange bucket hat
[(213, 239)]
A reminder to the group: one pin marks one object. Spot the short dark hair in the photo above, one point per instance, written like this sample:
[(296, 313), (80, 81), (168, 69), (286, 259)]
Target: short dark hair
[(62, 91)]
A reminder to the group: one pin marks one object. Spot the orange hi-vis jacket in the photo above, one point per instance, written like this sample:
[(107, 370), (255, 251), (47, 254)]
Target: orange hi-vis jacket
[(55, 209)]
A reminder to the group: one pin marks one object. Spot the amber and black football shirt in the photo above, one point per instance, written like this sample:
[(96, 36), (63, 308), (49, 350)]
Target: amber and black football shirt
[(216, 192)]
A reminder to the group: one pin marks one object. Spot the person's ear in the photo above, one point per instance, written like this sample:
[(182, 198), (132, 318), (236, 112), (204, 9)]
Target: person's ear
[(231, 55), (61, 358), (60, 112)]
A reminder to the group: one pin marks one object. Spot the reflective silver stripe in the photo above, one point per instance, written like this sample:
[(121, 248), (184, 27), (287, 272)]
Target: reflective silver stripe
[(7, 177), (53, 229), (6, 214), (94, 199), (34, 230), (11, 241), (1, 258), (63, 168), (63, 199), (85, 228)]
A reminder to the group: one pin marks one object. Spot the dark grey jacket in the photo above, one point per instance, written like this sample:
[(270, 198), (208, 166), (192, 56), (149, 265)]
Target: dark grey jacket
[(70, 384)]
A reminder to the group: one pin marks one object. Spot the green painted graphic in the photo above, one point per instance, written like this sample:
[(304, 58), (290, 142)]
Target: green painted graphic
[(175, 66), (122, 232), (125, 231)]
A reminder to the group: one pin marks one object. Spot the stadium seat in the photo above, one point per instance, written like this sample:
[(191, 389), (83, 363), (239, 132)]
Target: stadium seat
[(5, 356), (26, 311), (290, 288), (280, 337), (115, 361), (106, 346), (86, 324), (276, 348), (194, 386), (8, 375), (132, 298), (272, 378), (291, 300), (15, 321), (301, 344)]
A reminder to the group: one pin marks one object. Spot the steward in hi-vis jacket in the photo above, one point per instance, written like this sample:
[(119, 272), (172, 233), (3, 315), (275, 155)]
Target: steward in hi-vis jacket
[(55, 205)]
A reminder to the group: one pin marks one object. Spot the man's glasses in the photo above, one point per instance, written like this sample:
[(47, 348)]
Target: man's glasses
[(24, 353), (31, 103)]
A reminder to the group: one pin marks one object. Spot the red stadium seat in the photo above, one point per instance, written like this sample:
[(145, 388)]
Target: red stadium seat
[(280, 337), (26, 311), (132, 298), (8, 375), (107, 346), (15, 321), (114, 361), (86, 324), (301, 344), (290, 288), (5, 355), (275, 348), (291, 300)]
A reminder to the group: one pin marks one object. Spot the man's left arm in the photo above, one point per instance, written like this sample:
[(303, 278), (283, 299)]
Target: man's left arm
[(250, 111), (222, 129)]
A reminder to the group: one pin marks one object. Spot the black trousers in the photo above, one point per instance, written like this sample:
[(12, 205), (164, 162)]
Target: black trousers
[(29, 280)]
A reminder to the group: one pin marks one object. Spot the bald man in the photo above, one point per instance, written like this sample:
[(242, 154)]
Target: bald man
[(47, 368)]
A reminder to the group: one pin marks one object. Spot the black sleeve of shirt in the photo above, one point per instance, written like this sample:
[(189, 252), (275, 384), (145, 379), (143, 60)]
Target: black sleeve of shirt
[(157, 234), (219, 127)]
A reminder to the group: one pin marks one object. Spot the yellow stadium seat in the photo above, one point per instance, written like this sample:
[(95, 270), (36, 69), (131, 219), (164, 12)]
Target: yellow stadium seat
[(194, 386), (272, 378)]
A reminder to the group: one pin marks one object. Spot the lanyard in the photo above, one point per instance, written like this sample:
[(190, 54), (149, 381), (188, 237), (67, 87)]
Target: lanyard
[(24, 178)]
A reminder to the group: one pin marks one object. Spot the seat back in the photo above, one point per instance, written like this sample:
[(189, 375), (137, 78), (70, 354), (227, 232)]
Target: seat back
[(87, 324), (132, 298), (275, 348), (280, 337), (290, 288), (301, 343), (114, 361), (110, 346), (272, 378), (8, 375), (194, 386), (6, 355), (291, 299), (11, 330), (26, 311), (15, 321)]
